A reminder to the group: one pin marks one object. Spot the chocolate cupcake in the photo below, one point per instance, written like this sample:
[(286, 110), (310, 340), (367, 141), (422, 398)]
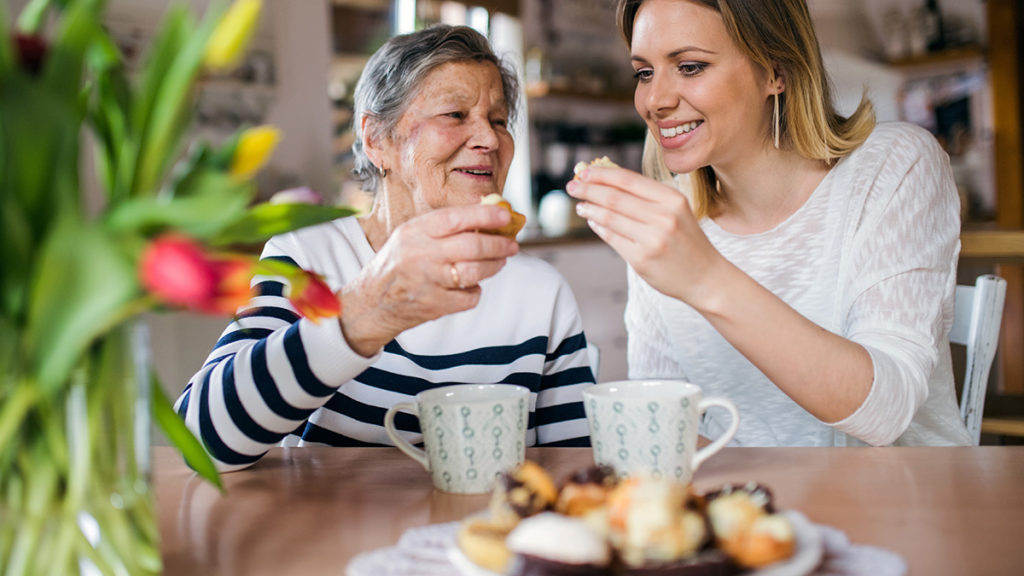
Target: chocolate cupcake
[(550, 544), (746, 526), (586, 490), (521, 493)]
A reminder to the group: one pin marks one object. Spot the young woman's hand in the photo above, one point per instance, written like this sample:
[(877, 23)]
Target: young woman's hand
[(651, 225)]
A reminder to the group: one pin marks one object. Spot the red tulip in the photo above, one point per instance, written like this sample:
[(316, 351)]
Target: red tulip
[(31, 52), (176, 270), (234, 276), (313, 298)]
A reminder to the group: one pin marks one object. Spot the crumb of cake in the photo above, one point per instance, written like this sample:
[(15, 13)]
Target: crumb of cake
[(602, 161)]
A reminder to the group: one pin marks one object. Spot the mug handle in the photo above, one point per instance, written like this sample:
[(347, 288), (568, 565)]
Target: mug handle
[(403, 444), (709, 450)]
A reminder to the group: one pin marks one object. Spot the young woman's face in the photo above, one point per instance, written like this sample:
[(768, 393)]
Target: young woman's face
[(452, 145), (701, 97)]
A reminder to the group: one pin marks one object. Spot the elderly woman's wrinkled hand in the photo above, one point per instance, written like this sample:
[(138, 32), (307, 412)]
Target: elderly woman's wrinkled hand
[(430, 266)]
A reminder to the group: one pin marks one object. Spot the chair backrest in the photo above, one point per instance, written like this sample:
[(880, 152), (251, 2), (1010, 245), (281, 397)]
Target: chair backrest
[(594, 353), (979, 313)]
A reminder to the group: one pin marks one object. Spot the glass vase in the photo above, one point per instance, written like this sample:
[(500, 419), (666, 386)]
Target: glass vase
[(75, 492)]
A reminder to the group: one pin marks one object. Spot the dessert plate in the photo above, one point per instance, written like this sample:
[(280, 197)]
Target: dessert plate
[(808, 555)]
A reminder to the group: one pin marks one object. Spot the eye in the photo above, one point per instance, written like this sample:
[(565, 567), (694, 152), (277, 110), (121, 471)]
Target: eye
[(501, 122), (691, 68), (458, 115), (643, 74)]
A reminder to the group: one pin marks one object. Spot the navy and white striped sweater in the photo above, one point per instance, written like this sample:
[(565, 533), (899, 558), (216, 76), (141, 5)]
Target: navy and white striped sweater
[(274, 377)]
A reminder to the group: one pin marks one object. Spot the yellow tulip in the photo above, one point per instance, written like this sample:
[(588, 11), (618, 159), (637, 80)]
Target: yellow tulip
[(231, 37), (255, 146)]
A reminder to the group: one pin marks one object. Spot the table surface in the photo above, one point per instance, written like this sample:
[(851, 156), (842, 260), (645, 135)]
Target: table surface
[(310, 510)]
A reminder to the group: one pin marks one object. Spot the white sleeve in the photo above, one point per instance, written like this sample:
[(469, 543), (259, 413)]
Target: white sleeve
[(902, 269)]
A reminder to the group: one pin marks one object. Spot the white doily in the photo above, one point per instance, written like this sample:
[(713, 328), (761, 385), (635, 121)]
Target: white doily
[(422, 551)]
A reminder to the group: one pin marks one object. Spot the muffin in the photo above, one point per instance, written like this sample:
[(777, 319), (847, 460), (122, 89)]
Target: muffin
[(515, 224), (483, 542), (650, 524), (551, 544), (586, 490), (581, 166), (747, 528), (520, 493)]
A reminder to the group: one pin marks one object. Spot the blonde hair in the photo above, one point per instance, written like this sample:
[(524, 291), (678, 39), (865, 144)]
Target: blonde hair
[(778, 36)]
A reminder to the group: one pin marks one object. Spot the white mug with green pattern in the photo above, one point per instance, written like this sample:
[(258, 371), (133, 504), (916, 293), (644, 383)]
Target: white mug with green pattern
[(649, 427), (471, 433)]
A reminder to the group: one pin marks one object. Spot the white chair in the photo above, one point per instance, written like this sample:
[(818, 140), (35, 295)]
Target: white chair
[(979, 313), (594, 353)]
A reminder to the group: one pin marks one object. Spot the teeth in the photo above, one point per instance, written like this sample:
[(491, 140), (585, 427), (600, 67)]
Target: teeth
[(681, 129), (478, 172)]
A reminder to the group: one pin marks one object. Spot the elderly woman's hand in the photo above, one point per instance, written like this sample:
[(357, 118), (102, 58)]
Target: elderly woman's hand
[(652, 227), (430, 266)]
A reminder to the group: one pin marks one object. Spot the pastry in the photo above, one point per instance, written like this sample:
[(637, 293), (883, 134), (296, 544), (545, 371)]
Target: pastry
[(514, 225), (520, 493), (651, 525), (550, 544), (483, 542), (747, 528), (586, 490), (602, 161)]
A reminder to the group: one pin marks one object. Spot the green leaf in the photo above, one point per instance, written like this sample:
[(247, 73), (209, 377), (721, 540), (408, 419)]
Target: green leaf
[(32, 16), (84, 285), (178, 434), (6, 53), (266, 220), (172, 104), (217, 201)]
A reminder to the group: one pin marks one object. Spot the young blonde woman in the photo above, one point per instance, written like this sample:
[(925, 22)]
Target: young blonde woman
[(808, 273)]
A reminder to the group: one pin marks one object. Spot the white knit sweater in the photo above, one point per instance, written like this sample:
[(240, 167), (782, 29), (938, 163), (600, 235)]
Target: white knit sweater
[(870, 256)]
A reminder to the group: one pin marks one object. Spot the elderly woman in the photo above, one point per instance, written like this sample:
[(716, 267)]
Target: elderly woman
[(426, 299)]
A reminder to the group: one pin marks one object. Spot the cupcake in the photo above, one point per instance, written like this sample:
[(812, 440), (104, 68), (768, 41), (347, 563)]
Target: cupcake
[(651, 526), (550, 544), (520, 493), (483, 542), (747, 528), (586, 490)]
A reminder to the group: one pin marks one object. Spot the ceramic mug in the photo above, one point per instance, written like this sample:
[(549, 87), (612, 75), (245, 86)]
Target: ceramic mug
[(471, 433), (650, 426)]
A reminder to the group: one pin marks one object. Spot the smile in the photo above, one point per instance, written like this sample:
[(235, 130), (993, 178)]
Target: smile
[(475, 171), (680, 129)]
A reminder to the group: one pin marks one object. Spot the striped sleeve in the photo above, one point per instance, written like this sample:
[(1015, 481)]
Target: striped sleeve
[(559, 417), (267, 373)]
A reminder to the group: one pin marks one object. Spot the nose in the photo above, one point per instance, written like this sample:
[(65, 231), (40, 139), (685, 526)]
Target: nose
[(660, 94), (483, 136)]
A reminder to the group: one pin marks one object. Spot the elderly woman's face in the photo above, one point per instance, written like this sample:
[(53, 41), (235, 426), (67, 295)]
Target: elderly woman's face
[(452, 145)]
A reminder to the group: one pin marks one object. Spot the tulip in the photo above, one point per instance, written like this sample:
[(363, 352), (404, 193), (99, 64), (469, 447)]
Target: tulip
[(234, 276), (254, 148), (312, 297), (32, 51), (176, 271), (231, 36)]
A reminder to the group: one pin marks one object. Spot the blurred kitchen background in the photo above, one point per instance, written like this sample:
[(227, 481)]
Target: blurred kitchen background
[(952, 66)]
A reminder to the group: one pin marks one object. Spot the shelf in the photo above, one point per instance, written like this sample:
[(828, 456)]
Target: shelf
[(1002, 245), (944, 62), (538, 93)]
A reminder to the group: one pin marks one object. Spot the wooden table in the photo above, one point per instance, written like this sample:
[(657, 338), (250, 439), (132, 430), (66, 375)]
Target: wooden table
[(310, 510)]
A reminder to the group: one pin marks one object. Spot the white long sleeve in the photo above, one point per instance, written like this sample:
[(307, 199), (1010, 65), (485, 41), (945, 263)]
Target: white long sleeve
[(870, 256)]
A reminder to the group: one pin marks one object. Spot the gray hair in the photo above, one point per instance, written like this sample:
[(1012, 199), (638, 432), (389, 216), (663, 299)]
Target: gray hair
[(393, 75)]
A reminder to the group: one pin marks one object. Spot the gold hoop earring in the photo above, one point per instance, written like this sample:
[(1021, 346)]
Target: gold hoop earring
[(775, 122)]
